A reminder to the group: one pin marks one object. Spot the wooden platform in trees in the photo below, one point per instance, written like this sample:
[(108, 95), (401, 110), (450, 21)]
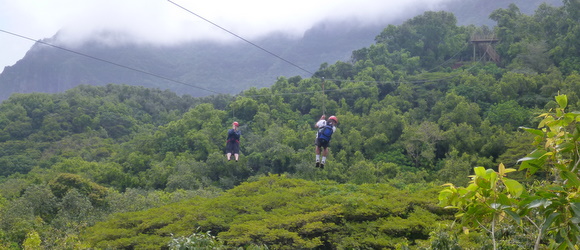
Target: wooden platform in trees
[(484, 45)]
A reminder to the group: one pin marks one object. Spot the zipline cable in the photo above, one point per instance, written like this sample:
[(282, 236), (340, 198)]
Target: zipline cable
[(323, 97), (216, 92), (109, 62), (243, 39)]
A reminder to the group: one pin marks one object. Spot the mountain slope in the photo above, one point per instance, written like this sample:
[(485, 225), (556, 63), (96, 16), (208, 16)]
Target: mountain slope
[(191, 68)]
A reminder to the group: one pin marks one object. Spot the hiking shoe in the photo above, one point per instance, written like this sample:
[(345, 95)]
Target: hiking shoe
[(321, 166), (317, 164)]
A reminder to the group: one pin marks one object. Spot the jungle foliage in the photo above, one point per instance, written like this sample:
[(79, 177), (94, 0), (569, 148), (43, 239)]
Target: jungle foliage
[(133, 168)]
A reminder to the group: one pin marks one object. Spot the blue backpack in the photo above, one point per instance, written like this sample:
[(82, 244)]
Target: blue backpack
[(325, 132)]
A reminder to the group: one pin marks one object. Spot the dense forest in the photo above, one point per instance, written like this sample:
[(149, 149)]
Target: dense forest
[(439, 145)]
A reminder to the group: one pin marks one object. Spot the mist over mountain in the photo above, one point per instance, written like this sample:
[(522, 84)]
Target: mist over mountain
[(220, 67), (205, 68), (477, 12)]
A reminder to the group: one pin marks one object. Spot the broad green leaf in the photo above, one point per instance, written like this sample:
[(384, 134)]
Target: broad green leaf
[(565, 147), (570, 244), (504, 200), (514, 187), (525, 165), (549, 221), (577, 228), (469, 194), (571, 177), (472, 187), (562, 100), (536, 154), (539, 203), (483, 183), (533, 131), (514, 215), (509, 170), (532, 168), (445, 194), (571, 117), (492, 177), (501, 169), (545, 194), (575, 207), (479, 171)]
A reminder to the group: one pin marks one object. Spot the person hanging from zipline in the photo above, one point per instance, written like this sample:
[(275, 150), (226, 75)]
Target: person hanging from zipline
[(233, 142), (323, 139), (319, 124)]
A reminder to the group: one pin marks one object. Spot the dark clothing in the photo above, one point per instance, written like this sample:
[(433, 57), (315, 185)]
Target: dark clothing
[(233, 147), (234, 135), (322, 142), (233, 142)]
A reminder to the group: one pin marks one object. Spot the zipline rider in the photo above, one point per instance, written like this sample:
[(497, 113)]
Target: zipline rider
[(323, 140), (233, 142)]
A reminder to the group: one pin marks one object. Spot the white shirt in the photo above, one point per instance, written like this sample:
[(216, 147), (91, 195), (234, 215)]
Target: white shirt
[(321, 124)]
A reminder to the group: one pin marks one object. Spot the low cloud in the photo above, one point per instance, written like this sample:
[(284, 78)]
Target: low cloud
[(163, 22)]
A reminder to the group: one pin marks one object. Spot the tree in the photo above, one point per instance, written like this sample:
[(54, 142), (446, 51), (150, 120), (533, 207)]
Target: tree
[(65, 182), (533, 56), (420, 143), (508, 113), (432, 36), (509, 28), (454, 109)]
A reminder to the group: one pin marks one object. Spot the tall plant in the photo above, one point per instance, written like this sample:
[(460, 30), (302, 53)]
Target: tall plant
[(550, 208)]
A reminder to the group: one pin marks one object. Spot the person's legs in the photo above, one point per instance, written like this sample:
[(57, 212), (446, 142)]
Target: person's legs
[(236, 150), (317, 151), (229, 149), (324, 154)]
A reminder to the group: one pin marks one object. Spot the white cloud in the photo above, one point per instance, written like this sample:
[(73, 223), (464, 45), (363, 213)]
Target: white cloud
[(162, 22)]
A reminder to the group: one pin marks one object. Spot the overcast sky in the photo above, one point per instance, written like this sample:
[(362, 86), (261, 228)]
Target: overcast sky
[(163, 22)]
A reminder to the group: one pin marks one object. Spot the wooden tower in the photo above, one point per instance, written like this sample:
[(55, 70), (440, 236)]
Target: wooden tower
[(484, 45)]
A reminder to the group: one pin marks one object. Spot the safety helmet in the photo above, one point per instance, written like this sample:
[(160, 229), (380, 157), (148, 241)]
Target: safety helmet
[(236, 124), (333, 118)]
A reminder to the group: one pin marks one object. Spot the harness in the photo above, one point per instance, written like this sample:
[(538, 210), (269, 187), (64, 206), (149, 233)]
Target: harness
[(233, 136), (325, 132)]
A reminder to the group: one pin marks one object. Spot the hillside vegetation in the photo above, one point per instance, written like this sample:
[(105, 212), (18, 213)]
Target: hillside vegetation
[(124, 167)]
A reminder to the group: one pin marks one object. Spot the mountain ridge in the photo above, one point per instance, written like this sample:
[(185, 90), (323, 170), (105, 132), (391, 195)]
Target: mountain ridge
[(205, 68)]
